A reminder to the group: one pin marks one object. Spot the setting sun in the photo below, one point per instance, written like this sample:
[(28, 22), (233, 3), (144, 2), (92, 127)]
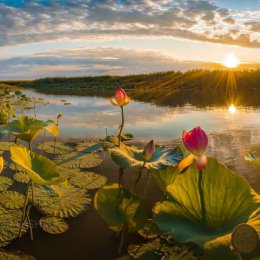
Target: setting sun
[(231, 61)]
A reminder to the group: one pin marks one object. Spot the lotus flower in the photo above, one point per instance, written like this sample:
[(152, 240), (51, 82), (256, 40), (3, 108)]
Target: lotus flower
[(196, 142), (148, 151), (120, 99)]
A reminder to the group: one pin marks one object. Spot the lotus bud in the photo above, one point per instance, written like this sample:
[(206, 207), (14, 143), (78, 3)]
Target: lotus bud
[(59, 115), (195, 141), (148, 151), (120, 99)]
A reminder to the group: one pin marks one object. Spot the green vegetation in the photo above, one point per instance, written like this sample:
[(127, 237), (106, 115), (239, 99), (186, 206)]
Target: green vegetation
[(197, 87)]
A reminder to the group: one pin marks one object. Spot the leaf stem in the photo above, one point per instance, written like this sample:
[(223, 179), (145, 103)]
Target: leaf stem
[(202, 201), (122, 125), (24, 210)]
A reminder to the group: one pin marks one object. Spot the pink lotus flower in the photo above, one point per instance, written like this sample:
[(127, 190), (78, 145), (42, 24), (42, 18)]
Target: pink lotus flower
[(120, 99), (196, 142), (148, 151)]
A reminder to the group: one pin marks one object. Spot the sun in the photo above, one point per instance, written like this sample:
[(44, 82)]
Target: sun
[(231, 61)]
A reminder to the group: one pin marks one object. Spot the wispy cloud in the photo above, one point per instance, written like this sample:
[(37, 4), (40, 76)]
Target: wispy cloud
[(90, 61), (37, 21)]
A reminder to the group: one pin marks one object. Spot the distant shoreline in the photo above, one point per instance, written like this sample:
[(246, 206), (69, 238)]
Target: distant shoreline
[(171, 88)]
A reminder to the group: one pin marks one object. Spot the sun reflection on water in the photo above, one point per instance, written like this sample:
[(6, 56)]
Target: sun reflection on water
[(232, 109)]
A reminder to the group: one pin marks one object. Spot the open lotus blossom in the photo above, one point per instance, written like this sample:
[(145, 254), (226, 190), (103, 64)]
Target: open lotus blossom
[(149, 151), (196, 142), (120, 99)]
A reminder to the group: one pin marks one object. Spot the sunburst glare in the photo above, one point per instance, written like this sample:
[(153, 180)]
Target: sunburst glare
[(231, 61), (232, 109)]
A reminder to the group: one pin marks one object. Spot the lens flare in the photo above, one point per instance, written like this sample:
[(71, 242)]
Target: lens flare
[(231, 61)]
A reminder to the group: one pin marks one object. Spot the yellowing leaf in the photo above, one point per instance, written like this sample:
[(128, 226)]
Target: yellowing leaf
[(186, 162), (1, 164)]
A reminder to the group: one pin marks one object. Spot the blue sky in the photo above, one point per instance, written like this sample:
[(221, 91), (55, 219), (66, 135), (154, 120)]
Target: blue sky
[(79, 37)]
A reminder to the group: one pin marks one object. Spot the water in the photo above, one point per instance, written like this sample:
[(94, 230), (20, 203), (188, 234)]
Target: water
[(231, 133)]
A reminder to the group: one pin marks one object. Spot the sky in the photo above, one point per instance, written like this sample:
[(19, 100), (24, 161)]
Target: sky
[(45, 38)]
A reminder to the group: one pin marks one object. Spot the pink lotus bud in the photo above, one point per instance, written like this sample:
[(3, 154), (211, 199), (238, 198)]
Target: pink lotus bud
[(195, 141), (120, 99), (148, 151)]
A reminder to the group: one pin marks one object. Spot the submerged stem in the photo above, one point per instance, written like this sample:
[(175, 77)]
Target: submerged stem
[(122, 126), (202, 202)]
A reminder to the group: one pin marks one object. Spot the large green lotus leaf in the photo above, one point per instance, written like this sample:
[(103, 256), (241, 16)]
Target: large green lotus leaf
[(129, 157), (165, 176), (51, 148), (89, 147), (12, 199), (61, 201), (25, 128), (79, 160), (53, 225), (10, 225), (5, 183), (118, 207), (229, 201), (40, 169), (7, 255), (87, 180)]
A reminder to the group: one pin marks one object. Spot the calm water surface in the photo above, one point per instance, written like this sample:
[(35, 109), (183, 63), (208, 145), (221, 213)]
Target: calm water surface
[(231, 134)]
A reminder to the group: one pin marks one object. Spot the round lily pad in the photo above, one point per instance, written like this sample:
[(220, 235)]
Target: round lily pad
[(7, 255), (10, 225), (88, 180), (60, 148), (244, 239), (12, 199), (5, 183), (89, 147), (79, 160), (22, 177), (53, 225), (61, 200)]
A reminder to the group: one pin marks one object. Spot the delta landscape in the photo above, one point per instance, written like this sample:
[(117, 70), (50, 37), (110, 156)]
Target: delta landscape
[(129, 130)]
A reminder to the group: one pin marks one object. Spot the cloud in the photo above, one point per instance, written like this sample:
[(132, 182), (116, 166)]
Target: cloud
[(37, 21), (90, 61)]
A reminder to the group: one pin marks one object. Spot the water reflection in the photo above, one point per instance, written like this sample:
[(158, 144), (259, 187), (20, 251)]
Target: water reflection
[(232, 131)]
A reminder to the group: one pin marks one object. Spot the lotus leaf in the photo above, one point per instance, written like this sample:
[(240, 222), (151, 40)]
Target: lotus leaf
[(51, 148), (7, 255), (22, 177), (165, 176), (12, 199), (89, 147), (53, 225), (9, 225), (5, 183), (253, 160), (40, 169), (52, 128), (229, 201), (88, 180), (61, 201), (79, 160), (25, 128), (129, 157), (159, 248), (119, 207)]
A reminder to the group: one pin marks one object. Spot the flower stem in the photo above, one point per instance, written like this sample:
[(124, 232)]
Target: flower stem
[(202, 202), (146, 184), (121, 127)]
